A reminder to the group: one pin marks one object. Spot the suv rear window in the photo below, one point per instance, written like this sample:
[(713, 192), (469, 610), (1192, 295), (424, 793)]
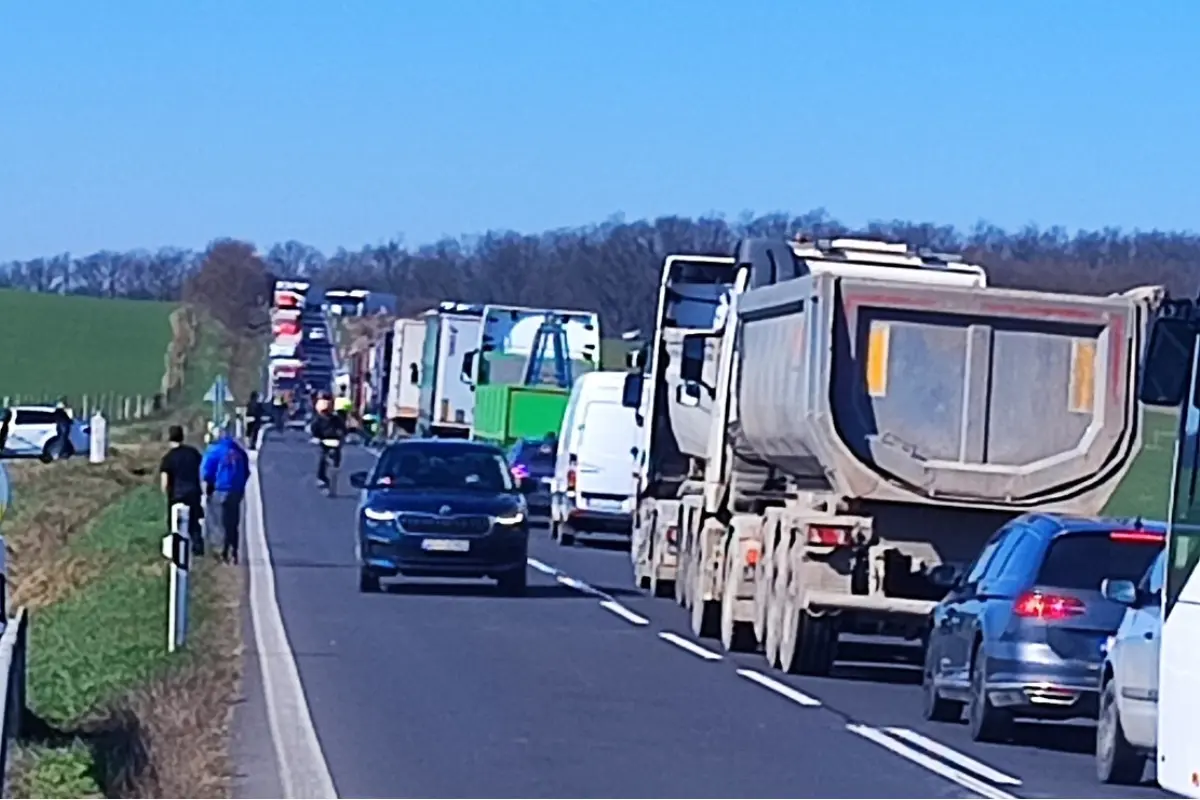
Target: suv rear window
[(531, 453), (1081, 560)]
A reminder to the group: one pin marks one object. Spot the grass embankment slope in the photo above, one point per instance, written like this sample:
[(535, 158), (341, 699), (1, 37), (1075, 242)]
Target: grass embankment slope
[(56, 345), (1146, 489), (111, 712)]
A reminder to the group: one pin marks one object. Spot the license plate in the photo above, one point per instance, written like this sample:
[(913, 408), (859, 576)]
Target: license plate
[(446, 545), (605, 505)]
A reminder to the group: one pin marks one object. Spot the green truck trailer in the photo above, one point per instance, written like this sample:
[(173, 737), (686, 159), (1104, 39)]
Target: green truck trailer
[(507, 412)]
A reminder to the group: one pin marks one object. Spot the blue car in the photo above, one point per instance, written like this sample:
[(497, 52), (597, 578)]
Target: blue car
[(442, 508)]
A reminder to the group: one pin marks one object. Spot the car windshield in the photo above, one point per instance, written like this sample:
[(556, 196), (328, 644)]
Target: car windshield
[(1080, 561), (463, 467), (538, 456)]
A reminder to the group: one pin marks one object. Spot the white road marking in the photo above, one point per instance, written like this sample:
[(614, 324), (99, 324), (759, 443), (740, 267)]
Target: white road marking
[(623, 612), (932, 764), (545, 569), (795, 695), (576, 584), (303, 771), (691, 647), (963, 760)]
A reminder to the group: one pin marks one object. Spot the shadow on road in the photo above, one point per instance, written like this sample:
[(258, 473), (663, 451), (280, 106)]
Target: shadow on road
[(471, 588)]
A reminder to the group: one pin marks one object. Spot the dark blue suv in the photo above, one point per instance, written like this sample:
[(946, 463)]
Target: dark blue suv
[(1023, 631)]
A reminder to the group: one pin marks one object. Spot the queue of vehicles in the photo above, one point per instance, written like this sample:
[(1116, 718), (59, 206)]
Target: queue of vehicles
[(827, 438)]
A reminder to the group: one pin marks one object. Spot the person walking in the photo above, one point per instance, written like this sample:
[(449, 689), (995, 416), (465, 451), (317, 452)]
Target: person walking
[(226, 471), (63, 422), (256, 415), (179, 474)]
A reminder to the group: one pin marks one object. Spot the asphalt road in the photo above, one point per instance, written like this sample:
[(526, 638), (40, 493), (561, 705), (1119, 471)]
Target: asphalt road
[(585, 688)]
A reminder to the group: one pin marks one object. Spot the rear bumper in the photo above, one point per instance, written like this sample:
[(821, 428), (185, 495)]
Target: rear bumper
[(586, 521), (1031, 680)]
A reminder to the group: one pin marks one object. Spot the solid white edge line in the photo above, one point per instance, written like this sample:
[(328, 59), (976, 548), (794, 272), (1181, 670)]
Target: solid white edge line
[(963, 760), (691, 647), (623, 612), (795, 695), (303, 770), (946, 771)]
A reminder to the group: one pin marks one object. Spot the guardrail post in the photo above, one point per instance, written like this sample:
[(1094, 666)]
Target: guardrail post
[(98, 438), (177, 547)]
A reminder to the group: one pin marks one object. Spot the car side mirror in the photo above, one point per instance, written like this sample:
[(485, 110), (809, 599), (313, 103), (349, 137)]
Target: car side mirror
[(358, 479), (468, 364), (945, 576), (1165, 366), (1119, 591)]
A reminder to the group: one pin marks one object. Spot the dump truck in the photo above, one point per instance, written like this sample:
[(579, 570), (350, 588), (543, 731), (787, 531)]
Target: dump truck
[(507, 412), (831, 430), (404, 376), (447, 398)]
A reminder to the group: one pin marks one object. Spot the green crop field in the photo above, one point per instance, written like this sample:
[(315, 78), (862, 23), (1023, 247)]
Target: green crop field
[(1147, 487), (52, 345)]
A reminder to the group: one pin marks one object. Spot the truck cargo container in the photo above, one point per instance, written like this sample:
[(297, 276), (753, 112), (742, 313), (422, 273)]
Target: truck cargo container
[(505, 413), (404, 376), (447, 397)]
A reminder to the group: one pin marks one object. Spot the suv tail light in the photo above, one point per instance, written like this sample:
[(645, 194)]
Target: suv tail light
[(1048, 607), (828, 536)]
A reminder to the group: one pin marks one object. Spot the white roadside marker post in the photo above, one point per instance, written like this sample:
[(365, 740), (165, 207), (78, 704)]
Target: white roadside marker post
[(177, 548)]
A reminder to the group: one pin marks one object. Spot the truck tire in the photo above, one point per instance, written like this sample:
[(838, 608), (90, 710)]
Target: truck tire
[(808, 643), (774, 619), (706, 619), (659, 587), (559, 532), (1117, 761)]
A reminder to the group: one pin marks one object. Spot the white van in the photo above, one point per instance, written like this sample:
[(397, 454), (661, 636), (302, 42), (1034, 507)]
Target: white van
[(592, 493)]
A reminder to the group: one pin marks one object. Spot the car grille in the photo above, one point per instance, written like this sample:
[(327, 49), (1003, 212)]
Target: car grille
[(415, 523)]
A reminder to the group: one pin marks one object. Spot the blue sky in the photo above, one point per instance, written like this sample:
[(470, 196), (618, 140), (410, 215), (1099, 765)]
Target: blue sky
[(147, 123)]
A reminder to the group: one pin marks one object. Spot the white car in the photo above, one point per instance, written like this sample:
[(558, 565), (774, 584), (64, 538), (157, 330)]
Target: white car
[(32, 433), (316, 333), (1127, 732)]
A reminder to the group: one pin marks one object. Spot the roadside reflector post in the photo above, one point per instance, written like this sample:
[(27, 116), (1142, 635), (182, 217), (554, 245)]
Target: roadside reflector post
[(97, 438), (177, 549)]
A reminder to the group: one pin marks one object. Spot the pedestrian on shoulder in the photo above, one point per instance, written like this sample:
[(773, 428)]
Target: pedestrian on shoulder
[(179, 474), (226, 471), (63, 422)]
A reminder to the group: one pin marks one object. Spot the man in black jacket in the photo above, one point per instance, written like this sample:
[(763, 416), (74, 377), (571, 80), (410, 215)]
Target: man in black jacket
[(180, 478), (327, 426)]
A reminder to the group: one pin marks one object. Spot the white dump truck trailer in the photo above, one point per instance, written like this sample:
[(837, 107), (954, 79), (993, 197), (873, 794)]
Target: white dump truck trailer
[(404, 376), (832, 429)]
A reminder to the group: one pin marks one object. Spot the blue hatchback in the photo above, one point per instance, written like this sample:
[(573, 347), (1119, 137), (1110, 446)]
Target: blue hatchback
[(1023, 631)]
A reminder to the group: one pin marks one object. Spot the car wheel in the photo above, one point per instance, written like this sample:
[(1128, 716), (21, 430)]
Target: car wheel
[(48, 450), (986, 722), (1117, 761), (514, 583), (368, 581), (935, 707)]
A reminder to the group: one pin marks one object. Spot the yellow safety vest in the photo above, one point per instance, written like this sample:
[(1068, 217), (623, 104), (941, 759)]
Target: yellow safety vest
[(343, 404)]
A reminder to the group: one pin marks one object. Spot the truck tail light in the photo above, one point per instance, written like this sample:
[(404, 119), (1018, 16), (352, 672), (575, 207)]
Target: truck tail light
[(570, 479), (828, 536), (672, 535), (1048, 607)]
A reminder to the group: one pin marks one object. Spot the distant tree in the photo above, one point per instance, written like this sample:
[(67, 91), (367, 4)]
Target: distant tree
[(231, 284)]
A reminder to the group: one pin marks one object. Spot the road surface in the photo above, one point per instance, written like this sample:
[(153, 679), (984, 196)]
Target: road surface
[(585, 688)]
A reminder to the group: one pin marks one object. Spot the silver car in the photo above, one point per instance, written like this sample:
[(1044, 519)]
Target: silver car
[(1023, 632)]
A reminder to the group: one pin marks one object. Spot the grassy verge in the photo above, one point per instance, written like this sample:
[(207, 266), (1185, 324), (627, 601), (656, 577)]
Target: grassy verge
[(111, 713)]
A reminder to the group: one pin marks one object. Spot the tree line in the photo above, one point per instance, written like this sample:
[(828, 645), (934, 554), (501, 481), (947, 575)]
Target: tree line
[(611, 267)]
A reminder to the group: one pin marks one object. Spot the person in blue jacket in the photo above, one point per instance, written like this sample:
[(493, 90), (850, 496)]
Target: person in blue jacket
[(226, 471)]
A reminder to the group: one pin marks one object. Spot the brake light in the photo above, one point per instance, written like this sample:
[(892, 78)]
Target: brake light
[(672, 535), (827, 536), (1049, 607), (519, 471), (571, 479), (1147, 537)]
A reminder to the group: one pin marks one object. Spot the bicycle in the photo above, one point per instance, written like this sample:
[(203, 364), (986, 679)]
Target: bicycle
[(331, 452)]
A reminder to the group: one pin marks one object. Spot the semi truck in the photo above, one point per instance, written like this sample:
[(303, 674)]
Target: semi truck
[(831, 429), (447, 398), (404, 376)]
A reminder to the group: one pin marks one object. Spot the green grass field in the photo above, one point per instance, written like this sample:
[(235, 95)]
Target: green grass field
[(1147, 487), (52, 345)]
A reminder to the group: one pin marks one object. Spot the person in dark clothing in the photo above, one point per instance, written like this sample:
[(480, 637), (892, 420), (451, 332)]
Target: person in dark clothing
[(226, 471), (327, 426), (63, 422), (256, 415), (5, 422), (179, 473)]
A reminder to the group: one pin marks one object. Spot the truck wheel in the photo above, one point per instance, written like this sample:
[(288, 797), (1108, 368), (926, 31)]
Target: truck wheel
[(986, 722), (368, 581), (566, 537), (736, 636), (808, 643), (706, 619), (1117, 761), (773, 626)]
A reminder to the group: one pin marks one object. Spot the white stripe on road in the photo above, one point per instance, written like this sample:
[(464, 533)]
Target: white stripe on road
[(691, 647), (963, 760), (932, 764), (572, 583), (303, 771), (623, 612), (545, 569), (795, 695)]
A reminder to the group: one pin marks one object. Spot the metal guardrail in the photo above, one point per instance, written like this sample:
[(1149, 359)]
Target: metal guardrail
[(13, 650)]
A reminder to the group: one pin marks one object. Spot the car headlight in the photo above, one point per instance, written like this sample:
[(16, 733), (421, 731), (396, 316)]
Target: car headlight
[(513, 518), (376, 515)]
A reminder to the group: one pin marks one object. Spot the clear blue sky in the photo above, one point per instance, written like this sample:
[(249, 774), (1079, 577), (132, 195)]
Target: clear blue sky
[(147, 123)]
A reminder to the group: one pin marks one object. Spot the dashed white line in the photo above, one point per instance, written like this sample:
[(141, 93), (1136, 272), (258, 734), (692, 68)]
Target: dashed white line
[(691, 647), (623, 612), (963, 760), (573, 583), (545, 569), (795, 695), (932, 764)]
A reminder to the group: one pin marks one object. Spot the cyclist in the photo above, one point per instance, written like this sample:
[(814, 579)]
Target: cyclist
[(327, 427)]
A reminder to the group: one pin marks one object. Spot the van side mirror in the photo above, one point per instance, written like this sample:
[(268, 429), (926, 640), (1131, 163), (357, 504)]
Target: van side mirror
[(631, 392), (468, 364), (635, 359), (1167, 362), (691, 362)]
